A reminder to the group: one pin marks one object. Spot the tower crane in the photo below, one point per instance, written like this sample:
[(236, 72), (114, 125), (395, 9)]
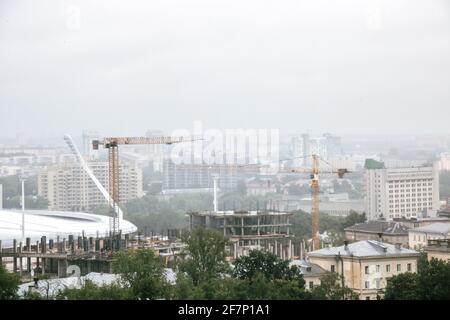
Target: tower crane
[(314, 171), (112, 144)]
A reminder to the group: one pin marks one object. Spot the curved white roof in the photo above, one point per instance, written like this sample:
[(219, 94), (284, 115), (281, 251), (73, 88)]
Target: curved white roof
[(51, 224)]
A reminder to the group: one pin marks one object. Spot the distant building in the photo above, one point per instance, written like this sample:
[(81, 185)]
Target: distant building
[(366, 265), (391, 232), (69, 188), (260, 187), (419, 237), (410, 192), (326, 146), (444, 162), (438, 249), (185, 176)]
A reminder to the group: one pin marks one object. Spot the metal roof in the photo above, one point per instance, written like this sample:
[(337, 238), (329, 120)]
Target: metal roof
[(308, 268), (51, 224), (375, 226), (365, 248), (441, 228)]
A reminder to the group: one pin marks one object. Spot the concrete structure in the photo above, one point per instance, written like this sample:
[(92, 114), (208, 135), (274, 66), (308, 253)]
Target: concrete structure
[(303, 146), (419, 237), (444, 162), (249, 230), (384, 231), (68, 187), (367, 265), (438, 249), (400, 192), (311, 272)]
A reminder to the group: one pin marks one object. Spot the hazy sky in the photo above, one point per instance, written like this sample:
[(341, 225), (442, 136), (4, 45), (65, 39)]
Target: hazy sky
[(123, 67)]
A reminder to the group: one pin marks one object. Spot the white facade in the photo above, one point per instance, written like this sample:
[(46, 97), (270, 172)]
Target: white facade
[(68, 187), (444, 162), (402, 192)]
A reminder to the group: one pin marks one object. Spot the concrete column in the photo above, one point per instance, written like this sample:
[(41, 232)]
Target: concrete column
[(15, 258), (28, 244)]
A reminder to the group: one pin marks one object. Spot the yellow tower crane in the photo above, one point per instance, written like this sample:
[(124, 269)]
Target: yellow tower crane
[(112, 144), (314, 171)]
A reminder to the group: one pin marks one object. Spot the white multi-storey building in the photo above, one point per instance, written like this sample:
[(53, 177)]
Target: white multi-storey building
[(400, 192), (68, 187)]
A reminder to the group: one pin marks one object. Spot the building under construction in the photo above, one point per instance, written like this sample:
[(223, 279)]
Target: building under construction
[(248, 230)]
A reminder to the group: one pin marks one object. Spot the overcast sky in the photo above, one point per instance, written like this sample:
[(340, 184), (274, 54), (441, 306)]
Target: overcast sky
[(123, 67)]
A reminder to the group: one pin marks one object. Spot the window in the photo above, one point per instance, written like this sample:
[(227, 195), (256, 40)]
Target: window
[(388, 268), (311, 284), (366, 269), (366, 284), (409, 266), (367, 298), (332, 268), (399, 267), (378, 268)]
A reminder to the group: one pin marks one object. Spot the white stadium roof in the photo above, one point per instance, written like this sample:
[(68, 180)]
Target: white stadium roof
[(51, 224)]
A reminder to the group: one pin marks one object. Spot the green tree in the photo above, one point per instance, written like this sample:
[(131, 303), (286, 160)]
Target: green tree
[(267, 264), (142, 272), (331, 288), (353, 218), (404, 286), (206, 255), (9, 284), (91, 291), (434, 280)]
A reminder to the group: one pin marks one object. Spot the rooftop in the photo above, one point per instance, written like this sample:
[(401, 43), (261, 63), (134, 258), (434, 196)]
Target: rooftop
[(376, 226), (308, 268), (440, 228), (365, 248)]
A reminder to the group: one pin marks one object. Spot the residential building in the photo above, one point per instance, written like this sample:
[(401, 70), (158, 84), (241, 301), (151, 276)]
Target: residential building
[(438, 249), (419, 237), (185, 176), (366, 266), (411, 192), (68, 187), (312, 273), (384, 231)]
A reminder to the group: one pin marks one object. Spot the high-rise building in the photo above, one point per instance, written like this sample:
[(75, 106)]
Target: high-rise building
[(326, 146), (197, 177), (407, 192), (68, 187)]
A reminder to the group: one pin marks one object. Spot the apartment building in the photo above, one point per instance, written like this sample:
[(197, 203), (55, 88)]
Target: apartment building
[(68, 187), (409, 192), (366, 265)]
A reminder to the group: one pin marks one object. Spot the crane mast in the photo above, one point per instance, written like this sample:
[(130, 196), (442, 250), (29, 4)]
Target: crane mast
[(112, 144)]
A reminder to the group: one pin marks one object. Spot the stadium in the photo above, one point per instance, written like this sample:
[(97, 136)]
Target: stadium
[(52, 224)]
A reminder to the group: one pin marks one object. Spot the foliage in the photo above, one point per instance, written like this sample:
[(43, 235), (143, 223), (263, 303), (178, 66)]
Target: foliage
[(142, 272), (432, 282), (9, 283), (206, 250), (91, 291), (353, 218), (331, 288), (404, 286), (266, 264), (31, 202)]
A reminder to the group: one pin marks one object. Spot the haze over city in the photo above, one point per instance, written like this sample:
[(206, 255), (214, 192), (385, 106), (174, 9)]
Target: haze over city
[(348, 67)]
